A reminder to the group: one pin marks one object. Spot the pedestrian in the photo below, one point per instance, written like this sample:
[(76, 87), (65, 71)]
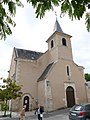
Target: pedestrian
[(39, 111), (22, 113)]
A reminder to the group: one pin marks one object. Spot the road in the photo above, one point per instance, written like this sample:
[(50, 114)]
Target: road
[(56, 115)]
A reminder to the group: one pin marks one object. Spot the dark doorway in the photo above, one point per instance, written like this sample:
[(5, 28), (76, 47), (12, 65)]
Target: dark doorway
[(26, 103), (70, 96)]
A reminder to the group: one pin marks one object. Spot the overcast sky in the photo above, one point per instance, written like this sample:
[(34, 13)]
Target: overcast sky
[(31, 33)]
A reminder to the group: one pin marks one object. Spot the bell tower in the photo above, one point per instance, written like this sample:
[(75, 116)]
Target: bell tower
[(59, 44)]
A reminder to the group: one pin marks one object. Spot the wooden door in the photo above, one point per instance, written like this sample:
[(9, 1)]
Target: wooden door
[(70, 96)]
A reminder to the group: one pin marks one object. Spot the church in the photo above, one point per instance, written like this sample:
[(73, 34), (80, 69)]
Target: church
[(52, 78)]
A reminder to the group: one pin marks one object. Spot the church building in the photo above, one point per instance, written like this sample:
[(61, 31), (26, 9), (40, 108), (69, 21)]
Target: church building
[(52, 78)]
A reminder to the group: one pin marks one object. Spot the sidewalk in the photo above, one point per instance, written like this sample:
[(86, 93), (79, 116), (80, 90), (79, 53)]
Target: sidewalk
[(17, 114), (32, 115)]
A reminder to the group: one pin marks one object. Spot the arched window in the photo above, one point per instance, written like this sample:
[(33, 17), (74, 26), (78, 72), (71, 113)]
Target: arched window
[(52, 44), (64, 42)]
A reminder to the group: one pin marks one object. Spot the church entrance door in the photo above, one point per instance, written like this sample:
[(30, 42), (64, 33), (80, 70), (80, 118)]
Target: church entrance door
[(70, 96), (26, 103)]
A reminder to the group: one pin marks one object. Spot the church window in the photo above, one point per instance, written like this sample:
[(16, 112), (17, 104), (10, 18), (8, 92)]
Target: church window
[(48, 83), (52, 44), (68, 70), (64, 42)]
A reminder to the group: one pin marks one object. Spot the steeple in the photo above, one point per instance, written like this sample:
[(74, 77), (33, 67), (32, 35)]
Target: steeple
[(59, 44), (57, 27)]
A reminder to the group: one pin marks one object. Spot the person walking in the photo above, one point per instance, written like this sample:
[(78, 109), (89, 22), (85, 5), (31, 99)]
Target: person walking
[(22, 113), (39, 111)]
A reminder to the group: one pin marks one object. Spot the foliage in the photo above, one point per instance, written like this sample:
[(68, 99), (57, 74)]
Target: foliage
[(74, 8), (87, 77), (88, 21), (4, 107), (10, 90), (7, 11)]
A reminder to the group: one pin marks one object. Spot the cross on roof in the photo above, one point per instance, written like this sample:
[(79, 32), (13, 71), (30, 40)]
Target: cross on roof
[(56, 14)]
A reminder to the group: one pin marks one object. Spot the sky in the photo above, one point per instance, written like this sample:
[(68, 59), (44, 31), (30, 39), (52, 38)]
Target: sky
[(31, 33)]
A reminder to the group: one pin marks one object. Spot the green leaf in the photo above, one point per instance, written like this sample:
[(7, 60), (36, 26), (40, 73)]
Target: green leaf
[(10, 21), (88, 21), (12, 8), (19, 4), (6, 1)]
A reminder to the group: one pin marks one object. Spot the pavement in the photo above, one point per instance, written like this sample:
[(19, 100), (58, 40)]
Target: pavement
[(30, 114)]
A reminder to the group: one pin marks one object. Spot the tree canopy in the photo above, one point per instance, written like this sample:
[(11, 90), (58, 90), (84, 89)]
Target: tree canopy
[(87, 76), (10, 90), (74, 8)]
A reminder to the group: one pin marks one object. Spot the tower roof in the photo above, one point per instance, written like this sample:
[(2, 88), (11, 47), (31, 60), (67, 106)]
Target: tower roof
[(57, 27)]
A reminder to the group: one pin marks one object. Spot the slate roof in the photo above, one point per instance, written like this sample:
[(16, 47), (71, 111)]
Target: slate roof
[(27, 54), (57, 27), (45, 72)]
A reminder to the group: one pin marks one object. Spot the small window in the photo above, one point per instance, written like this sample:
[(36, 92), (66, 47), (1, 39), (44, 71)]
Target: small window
[(64, 42), (52, 44), (48, 83), (68, 70)]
